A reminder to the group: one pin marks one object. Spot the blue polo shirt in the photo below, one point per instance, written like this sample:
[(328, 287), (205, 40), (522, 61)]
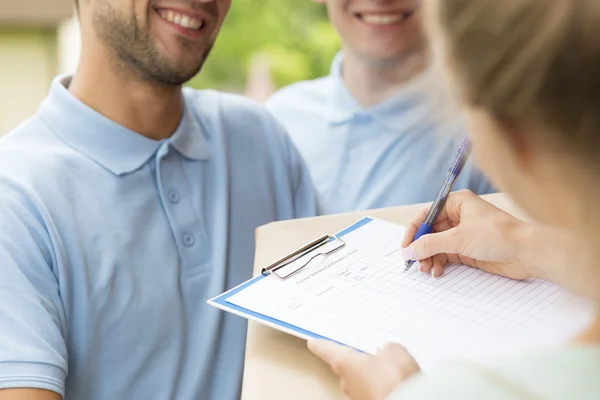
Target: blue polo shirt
[(394, 153), (111, 243)]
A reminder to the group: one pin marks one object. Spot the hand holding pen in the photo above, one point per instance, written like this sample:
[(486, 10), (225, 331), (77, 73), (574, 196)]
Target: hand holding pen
[(471, 231), (462, 155)]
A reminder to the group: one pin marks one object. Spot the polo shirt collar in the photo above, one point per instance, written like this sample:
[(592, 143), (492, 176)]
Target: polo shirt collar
[(109, 144), (342, 106)]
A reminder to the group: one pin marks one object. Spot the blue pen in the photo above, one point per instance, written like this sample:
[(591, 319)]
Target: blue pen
[(462, 155)]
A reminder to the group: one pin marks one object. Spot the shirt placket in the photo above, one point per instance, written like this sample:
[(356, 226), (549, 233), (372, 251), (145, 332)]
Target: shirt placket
[(175, 194), (353, 151)]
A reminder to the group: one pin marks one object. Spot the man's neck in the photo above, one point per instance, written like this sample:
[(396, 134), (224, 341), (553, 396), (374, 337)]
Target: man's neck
[(372, 83), (151, 111)]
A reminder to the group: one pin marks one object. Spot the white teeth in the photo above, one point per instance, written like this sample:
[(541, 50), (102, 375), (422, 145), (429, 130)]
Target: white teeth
[(185, 21), (382, 19), (182, 20)]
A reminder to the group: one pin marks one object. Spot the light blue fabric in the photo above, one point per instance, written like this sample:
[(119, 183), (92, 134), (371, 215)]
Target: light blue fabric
[(395, 153), (111, 243)]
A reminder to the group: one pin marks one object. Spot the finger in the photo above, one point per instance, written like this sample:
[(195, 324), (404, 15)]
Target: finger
[(456, 259), (399, 355), (450, 241), (438, 266), (443, 225), (394, 349), (440, 226), (413, 226), (461, 259), (337, 356), (455, 202), (324, 349), (425, 265), (451, 212)]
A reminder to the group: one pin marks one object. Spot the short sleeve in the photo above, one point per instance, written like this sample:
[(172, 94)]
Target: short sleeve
[(32, 347), (306, 199), (278, 103)]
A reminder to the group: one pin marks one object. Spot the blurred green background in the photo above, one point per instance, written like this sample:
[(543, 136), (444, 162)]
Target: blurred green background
[(263, 45), (293, 35)]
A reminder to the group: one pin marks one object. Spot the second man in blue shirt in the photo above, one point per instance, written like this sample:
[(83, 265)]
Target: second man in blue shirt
[(374, 133)]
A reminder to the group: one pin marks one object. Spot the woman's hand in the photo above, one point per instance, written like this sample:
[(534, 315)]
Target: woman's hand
[(473, 232), (366, 377)]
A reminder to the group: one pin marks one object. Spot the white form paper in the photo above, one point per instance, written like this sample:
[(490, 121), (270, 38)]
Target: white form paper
[(360, 296)]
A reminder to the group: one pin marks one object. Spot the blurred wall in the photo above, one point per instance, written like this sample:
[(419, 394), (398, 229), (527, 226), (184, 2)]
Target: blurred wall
[(27, 65), (28, 55)]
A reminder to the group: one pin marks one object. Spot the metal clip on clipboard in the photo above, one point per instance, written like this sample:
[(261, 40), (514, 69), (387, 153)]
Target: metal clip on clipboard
[(309, 251)]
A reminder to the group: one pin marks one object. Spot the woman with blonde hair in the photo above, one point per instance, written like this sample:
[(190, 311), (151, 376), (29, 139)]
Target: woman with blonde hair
[(528, 75)]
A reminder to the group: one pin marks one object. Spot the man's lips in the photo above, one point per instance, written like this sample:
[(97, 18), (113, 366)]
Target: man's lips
[(384, 18), (184, 20)]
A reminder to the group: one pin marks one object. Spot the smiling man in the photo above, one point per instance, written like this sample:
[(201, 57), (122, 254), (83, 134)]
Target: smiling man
[(125, 203), (372, 132)]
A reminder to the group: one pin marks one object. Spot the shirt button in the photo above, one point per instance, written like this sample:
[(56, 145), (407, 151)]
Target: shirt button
[(173, 196), (189, 240), (362, 118)]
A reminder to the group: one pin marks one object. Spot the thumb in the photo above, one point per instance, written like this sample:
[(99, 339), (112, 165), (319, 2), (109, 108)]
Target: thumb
[(447, 242), (342, 359)]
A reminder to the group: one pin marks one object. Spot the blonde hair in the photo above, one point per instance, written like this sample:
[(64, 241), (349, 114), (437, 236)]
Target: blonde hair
[(529, 63)]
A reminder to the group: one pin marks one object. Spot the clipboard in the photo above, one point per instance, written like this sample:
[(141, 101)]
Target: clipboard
[(362, 298), (311, 251), (320, 247)]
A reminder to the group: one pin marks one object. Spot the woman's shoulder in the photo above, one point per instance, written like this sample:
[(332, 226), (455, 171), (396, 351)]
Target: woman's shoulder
[(557, 373)]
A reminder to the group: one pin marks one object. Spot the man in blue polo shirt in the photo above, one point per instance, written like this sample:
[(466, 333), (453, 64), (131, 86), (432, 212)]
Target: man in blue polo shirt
[(372, 132), (125, 203)]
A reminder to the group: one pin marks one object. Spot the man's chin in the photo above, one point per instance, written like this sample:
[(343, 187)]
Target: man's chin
[(387, 58), (170, 74), (380, 60), (176, 79), (176, 75)]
